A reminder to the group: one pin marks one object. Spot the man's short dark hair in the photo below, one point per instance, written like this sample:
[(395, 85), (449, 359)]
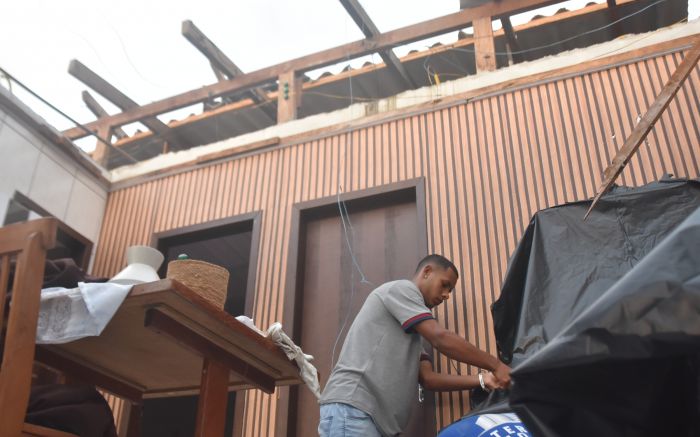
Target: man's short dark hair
[(439, 260)]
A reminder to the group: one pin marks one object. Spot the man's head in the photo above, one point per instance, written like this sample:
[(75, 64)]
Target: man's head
[(435, 277)]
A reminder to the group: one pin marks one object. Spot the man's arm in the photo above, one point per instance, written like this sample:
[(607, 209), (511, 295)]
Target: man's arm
[(458, 348), (434, 381)]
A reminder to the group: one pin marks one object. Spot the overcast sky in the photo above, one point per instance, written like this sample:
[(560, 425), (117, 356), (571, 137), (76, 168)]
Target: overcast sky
[(138, 47)]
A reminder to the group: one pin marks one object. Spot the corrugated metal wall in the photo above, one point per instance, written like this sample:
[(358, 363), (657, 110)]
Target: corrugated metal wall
[(488, 164)]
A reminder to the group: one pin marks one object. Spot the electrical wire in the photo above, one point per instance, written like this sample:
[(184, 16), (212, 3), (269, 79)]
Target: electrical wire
[(682, 20), (71, 119), (565, 40), (349, 234), (105, 19)]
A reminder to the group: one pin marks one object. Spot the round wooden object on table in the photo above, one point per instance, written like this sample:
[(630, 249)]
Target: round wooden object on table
[(208, 280)]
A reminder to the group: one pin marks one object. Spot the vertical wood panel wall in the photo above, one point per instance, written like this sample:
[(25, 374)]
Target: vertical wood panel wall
[(489, 164)]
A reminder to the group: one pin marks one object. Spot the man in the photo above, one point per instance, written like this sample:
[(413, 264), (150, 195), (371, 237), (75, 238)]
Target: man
[(370, 390)]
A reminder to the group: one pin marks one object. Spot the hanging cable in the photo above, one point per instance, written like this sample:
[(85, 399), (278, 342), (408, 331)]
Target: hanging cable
[(565, 40), (82, 127), (349, 234)]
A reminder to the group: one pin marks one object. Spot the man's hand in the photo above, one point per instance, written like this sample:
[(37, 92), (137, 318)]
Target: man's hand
[(502, 375), (491, 382)]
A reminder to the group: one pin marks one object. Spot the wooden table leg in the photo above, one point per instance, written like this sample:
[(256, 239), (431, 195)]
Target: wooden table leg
[(213, 396), (135, 412)]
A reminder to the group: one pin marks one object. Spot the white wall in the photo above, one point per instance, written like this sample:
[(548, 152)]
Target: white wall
[(33, 165)]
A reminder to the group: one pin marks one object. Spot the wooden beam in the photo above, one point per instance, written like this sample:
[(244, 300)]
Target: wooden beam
[(100, 112), (500, 88), (101, 153), (213, 400), (78, 70), (221, 62), (288, 97), (368, 69), (484, 46), (41, 127), (512, 40), (397, 37), (642, 129), (370, 30), (85, 374), (81, 72), (614, 14), (219, 75), (464, 4), (164, 324)]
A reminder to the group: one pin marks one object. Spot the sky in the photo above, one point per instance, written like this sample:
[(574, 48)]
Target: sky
[(138, 47)]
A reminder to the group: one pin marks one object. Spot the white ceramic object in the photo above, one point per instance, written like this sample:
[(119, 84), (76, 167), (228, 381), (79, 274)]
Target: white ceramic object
[(142, 266)]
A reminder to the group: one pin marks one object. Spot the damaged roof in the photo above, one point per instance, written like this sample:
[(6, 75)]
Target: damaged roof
[(232, 116)]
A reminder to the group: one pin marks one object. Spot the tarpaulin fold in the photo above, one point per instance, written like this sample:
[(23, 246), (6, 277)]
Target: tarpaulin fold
[(601, 318)]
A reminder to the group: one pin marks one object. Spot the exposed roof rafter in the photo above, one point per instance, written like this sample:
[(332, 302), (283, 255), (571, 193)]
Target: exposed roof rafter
[(222, 63), (512, 40), (368, 28), (100, 112), (646, 123), (78, 70), (397, 37)]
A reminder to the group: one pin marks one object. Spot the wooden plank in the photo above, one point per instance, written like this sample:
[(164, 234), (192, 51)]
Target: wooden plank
[(343, 76), (111, 93), (134, 420), (370, 30), (101, 152), (14, 239), (213, 400), (216, 57), (509, 86), (220, 62), (165, 324), (219, 75), (512, 40), (85, 374), (464, 4), (42, 128), (641, 130), (4, 280), (401, 36), (614, 14), (99, 112), (81, 72), (156, 365), (288, 97), (18, 349), (484, 46)]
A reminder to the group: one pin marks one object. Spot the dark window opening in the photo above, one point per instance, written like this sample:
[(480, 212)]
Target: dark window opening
[(227, 246)]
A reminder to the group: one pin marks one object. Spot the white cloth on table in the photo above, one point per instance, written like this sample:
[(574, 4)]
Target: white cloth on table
[(307, 371), (67, 314)]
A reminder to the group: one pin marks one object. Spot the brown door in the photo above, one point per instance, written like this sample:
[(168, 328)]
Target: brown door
[(386, 242)]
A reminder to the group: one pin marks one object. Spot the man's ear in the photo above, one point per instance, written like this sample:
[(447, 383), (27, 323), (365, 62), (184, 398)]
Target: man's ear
[(427, 270)]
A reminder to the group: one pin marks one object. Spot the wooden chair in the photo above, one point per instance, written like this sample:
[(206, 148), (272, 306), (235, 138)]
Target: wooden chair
[(27, 243)]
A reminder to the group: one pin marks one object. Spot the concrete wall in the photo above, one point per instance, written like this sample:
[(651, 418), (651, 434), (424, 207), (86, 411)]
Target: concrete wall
[(34, 165)]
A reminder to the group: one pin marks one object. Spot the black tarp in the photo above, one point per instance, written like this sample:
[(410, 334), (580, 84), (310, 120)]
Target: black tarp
[(601, 318)]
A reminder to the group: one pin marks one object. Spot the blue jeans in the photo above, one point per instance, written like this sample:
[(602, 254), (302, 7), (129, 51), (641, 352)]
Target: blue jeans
[(343, 420)]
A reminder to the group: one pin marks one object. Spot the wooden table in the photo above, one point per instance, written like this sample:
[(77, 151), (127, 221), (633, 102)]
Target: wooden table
[(165, 340)]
